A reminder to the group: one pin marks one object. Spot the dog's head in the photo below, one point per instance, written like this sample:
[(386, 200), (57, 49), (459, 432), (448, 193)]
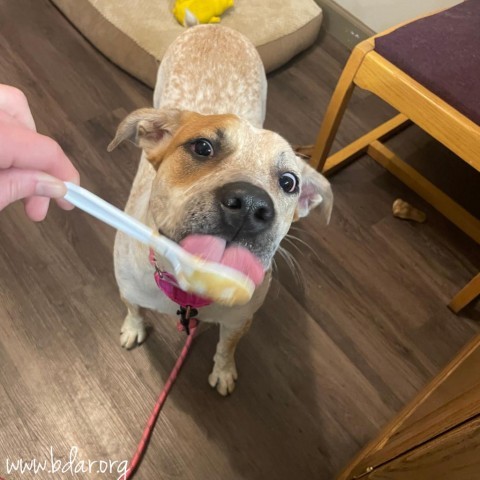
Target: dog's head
[(218, 175)]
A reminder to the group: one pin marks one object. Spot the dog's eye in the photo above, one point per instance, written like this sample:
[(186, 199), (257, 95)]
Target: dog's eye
[(202, 147), (289, 182)]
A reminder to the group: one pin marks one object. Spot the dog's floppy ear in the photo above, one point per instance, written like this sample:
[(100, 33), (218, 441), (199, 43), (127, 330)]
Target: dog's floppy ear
[(148, 128), (315, 190)]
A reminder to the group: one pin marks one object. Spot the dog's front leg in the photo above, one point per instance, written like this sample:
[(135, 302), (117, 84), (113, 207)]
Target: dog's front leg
[(224, 371), (133, 330)]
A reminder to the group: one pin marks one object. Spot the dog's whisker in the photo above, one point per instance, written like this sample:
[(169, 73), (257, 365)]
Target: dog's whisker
[(304, 243), (303, 231), (294, 267), (274, 266), (289, 240), (292, 264), (293, 260), (295, 264), (275, 271)]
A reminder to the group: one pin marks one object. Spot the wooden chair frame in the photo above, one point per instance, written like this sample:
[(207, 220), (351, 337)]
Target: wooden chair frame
[(370, 71), (423, 420)]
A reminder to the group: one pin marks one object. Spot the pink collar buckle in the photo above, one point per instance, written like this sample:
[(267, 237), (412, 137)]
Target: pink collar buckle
[(188, 302)]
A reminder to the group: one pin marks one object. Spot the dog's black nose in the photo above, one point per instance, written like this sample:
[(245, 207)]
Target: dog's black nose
[(246, 207)]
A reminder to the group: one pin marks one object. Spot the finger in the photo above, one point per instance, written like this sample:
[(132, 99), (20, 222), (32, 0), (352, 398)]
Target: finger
[(63, 204), (23, 148), (16, 184), (36, 208), (8, 119), (14, 102)]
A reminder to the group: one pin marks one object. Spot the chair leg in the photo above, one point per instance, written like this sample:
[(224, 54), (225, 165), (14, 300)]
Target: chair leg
[(467, 294), (358, 147), (411, 177), (337, 105)]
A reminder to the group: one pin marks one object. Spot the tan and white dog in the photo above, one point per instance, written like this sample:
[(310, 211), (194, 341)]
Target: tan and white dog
[(208, 167)]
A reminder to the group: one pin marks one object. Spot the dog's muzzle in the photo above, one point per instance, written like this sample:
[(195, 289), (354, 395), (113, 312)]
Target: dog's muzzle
[(244, 208)]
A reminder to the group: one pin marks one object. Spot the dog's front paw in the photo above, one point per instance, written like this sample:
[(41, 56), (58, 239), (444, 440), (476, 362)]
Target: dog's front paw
[(132, 333), (223, 378)]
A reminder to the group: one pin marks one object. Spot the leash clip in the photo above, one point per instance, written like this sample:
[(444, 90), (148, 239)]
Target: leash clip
[(186, 313), (153, 262)]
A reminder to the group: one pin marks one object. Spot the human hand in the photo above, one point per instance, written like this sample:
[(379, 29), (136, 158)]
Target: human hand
[(32, 166)]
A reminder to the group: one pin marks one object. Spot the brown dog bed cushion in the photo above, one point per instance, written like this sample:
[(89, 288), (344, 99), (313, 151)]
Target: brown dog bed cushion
[(135, 35)]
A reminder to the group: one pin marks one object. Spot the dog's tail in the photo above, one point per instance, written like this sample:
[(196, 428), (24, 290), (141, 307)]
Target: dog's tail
[(190, 19)]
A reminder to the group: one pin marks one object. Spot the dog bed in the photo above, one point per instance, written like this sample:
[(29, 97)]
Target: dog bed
[(135, 35)]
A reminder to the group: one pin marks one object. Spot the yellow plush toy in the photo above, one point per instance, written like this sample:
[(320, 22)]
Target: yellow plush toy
[(192, 12)]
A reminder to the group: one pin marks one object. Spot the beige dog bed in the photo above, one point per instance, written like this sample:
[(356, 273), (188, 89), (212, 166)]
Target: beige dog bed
[(135, 35)]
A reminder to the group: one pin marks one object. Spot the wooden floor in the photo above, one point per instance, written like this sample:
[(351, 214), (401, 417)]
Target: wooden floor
[(323, 367)]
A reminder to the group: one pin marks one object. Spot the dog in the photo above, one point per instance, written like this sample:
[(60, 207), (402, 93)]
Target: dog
[(209, 170)]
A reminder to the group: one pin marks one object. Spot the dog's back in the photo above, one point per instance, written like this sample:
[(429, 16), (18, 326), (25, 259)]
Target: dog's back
[(212, 69)]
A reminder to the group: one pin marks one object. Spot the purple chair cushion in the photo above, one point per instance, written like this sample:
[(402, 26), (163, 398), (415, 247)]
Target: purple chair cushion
[(442, 52)]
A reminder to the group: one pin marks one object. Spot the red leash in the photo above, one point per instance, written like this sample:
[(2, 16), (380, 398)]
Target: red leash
[(188, 308), (166, 282), (142, 446), (147, 432)]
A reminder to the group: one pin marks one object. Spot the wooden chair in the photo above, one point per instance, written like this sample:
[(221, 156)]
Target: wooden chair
[(390, 66)]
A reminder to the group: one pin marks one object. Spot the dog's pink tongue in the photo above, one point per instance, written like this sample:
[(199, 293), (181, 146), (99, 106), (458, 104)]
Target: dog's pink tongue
[(205, 246), (242, 260), (213, 249)]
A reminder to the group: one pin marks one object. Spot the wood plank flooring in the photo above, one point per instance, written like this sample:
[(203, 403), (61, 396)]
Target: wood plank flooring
[(325, 364)]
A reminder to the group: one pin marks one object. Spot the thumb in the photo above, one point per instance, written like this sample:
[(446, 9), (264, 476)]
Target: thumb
[(16, 184)]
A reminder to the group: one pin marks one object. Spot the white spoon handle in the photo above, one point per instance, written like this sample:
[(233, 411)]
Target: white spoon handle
[(218, 282)]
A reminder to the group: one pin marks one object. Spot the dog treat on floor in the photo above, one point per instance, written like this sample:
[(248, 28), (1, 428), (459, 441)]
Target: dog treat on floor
[(402, 209)]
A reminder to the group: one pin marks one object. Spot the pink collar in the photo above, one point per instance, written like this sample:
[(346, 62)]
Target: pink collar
[(167, 283)]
